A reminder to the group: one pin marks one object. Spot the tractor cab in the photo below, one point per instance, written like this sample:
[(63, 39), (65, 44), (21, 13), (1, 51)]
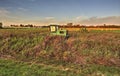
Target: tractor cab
[(55, 30)]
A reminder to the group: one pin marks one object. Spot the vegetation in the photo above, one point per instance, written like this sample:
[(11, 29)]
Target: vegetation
[(18, 68), (32, 51)]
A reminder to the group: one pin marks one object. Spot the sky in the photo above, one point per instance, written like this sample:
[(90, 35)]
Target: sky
[(45, 12)]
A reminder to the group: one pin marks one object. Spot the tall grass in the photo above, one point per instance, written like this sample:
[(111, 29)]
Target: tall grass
[(81, 48)]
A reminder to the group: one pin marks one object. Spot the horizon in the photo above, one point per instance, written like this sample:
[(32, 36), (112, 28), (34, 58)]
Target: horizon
[(45, 12)]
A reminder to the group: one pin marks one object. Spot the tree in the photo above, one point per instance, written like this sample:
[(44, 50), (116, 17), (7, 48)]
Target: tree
[(69, 24), (1, 24), (21, 25)]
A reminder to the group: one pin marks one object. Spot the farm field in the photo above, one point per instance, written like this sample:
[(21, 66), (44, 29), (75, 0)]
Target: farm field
[(96, 29), (33, 52)]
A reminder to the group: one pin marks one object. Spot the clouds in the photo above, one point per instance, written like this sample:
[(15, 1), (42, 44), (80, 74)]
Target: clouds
[(22, 9), (49, 18), (101, 20), (4, 12), (8, 15), (32, 0), (20, 17), (52, 20), (87, 21)]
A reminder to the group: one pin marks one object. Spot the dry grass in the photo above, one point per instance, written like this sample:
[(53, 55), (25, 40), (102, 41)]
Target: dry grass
[(81, 48), (90, 29)]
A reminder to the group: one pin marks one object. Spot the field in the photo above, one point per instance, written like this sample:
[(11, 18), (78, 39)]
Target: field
[(33, 52)]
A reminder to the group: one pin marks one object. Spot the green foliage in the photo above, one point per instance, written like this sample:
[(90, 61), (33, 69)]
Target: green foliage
[(13, 68)]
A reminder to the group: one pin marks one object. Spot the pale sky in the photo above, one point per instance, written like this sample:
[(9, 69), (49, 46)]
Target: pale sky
[(45, 12)]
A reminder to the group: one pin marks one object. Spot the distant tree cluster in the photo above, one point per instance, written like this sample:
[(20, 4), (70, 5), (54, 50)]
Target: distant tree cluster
[(70, 25), (29, 25), (21, 25)]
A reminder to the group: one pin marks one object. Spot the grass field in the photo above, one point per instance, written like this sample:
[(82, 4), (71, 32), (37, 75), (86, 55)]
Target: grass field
[(18, 68), (33, 52), (96, 29)]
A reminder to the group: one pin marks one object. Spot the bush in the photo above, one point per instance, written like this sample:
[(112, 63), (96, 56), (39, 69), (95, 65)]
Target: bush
[(83, 30)]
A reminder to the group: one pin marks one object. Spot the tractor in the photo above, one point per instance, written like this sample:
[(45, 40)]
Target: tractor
[(55, 30)]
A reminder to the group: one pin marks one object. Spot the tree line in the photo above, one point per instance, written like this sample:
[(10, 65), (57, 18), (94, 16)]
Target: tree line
[(69, 25), (100, 26), (21, 25)]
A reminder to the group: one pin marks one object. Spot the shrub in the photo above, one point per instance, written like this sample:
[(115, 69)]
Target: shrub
[(83, 30)]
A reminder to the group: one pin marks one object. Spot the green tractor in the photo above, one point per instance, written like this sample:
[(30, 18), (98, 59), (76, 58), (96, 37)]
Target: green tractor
[(55, 30)]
